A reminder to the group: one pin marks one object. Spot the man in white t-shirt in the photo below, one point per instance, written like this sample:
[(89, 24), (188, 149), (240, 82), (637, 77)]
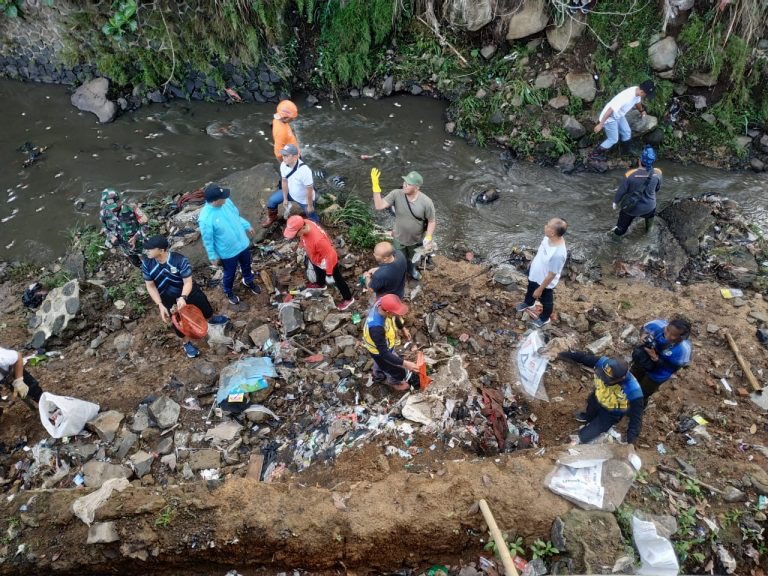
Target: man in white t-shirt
[(297, 187), (545, 270), (13, 374), (613, 119)]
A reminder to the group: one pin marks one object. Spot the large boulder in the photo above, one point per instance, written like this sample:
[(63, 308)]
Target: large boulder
[(592, 539), (469, 15), (563, 38), (92, 97), (640, 124), (573, 127), (582, 85), (532, 17), (52, 318), (662, 54)]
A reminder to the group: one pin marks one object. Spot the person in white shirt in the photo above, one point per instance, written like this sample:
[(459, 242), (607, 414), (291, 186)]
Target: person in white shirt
[(545, 270), (13, 375), (613, 119), (297, 186)]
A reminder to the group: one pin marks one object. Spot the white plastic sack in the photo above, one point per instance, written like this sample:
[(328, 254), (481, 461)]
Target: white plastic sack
[(85, 507), (531, 365), (652, 540), (63, 415)]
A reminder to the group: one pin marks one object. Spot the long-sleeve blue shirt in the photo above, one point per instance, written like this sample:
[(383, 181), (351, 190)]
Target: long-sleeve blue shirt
[(223, 230)]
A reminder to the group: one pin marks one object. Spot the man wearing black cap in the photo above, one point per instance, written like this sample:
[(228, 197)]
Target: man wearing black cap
[(168, 277), (616, 393), (226, 236), (613, 119)]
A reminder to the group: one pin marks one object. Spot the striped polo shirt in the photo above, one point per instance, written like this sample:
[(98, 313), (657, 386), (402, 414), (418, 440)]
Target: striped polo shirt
[(168, 277)]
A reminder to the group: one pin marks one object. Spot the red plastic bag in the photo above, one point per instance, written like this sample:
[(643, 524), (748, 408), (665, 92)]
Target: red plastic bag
[(424, 380), (190, 322)]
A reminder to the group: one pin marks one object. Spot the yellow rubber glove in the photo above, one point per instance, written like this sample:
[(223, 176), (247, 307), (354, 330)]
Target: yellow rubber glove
[(375, 174)]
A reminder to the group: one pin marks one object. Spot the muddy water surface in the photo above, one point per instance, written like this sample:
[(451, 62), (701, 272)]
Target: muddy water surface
[(165, 149)]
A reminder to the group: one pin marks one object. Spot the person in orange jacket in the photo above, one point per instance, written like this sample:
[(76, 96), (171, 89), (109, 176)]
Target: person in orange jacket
[(321, 254)]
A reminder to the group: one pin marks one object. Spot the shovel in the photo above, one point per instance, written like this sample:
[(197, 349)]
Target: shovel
[(759, 393)]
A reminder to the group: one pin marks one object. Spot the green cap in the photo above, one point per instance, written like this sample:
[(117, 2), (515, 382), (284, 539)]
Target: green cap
[(413, 178)]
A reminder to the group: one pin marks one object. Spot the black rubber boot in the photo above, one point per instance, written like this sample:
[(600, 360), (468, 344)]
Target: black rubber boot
[(599, 154)]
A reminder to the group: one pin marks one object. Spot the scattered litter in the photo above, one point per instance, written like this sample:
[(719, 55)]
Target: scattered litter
[(392, 451), (661, 449), (729, 293), (63, 415), (651, 536), (531, 365), (85, 507), (209, 474), (726, 385)]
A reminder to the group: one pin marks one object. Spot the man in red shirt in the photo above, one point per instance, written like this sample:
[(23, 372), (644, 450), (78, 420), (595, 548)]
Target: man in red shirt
[(321, 254)]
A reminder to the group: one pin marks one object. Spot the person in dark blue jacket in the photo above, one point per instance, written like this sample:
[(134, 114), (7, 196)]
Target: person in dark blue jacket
[(617, 392), (636, 196), (664, 350)]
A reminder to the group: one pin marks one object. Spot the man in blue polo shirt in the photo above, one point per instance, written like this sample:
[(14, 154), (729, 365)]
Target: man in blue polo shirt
[(616, 393), (664, 350), (168, 277)]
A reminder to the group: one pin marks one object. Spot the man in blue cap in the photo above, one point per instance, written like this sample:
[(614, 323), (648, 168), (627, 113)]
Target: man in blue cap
[(636, 196), (227, 237), (616, 393)]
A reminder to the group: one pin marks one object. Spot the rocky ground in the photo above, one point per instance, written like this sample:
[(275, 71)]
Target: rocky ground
[(329, 470)]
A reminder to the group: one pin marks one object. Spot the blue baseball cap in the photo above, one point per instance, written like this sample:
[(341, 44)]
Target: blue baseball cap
[(648, 156), (612, 371)]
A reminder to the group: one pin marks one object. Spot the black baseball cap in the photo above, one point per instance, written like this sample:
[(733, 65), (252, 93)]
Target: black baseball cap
[(649, 88), (215, 192), (159, 241)]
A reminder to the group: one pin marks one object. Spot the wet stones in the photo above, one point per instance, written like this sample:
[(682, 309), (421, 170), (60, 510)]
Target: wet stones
[(92, 97), (60, 306), (164, 411), (573, 127)]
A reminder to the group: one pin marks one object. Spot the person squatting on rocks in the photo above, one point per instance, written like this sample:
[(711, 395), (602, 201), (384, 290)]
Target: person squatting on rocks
[(613, 119), (123, 225), (636, 196), (545, 270), (664, 350), (226, 237), (616, 393), (14, 376), (380, 337), (414, 215), (322, 255), (282, 134), (389, 276), (296, 186), (168, 277)]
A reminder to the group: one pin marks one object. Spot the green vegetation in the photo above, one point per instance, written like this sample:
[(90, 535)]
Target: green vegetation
[(132, 292), (165, 517), (541, 549), (123, 20), (515, 546), (356, 215), (11, 8), (88, 240)]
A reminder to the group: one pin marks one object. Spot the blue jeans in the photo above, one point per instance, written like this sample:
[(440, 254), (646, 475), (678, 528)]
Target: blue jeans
[(277, 198), (230, 269), (615, 129)]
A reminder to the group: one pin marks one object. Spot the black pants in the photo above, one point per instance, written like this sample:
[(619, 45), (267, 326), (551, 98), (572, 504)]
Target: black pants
[(622, 225), (346, 293), (648, 385), (599, 420), (34, 386), (197, 298), (394, 373), (547, 299)]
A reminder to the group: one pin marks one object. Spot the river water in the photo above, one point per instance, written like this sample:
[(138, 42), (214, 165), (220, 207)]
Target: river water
[(164, 149)]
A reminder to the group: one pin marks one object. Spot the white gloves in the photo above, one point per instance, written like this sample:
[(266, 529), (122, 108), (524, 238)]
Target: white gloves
[(19, 388), (613, 205), (329, 280)]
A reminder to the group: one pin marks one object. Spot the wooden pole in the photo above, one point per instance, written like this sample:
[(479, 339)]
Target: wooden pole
[(501, 545), (743, 363)]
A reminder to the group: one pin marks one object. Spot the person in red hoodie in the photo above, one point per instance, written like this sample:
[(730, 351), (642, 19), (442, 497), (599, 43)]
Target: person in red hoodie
[(321, 254)]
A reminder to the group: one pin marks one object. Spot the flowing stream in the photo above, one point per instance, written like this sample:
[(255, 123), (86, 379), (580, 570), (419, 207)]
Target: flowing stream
[(165, 149)]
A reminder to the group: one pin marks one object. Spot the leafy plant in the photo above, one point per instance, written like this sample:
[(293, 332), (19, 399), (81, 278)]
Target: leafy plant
[(515, 547), (123, 19), (132, 293), (165, 517), (11, 8), (91, 243), (692, 488), (541, 549)]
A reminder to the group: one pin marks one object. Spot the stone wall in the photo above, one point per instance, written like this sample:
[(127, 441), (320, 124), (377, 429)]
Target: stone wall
[(33, 49)]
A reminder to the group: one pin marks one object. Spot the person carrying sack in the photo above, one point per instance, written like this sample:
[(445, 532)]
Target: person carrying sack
[(636, 196), (14, 376), (414, 215)]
